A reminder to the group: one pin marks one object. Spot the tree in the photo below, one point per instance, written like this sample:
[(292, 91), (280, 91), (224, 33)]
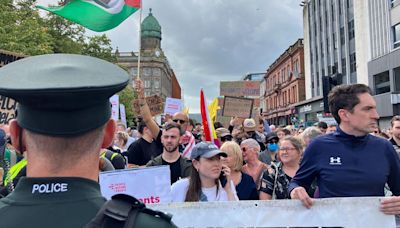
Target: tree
[(22, 29), (100, 47), (68, 37)]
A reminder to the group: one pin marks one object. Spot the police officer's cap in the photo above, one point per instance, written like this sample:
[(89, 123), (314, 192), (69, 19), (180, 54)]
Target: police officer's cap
[(62, 94)]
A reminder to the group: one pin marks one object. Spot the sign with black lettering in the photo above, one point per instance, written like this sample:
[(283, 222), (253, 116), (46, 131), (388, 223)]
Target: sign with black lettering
[(237, 107), (154, 102), (8, 109)]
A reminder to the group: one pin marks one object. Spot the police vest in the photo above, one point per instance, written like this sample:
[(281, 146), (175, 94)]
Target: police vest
[(14, 171)]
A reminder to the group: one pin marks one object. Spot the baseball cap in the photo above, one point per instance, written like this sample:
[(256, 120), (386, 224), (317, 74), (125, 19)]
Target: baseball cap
[(249, 125), (62, 94), (221, 132), (206, 150), (270, 136)]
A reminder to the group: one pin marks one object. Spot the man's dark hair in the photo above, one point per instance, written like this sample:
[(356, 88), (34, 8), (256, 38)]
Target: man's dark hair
[(218, 125), (191, 122), (322, 124), (345, 97), (170, 125), (141, 126), (286, 131)]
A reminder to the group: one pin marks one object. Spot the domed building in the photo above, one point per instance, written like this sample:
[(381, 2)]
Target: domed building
[(157, 74)]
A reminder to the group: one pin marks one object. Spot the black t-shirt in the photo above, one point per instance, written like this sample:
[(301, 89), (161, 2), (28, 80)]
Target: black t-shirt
[(141, 151), (175, 168)]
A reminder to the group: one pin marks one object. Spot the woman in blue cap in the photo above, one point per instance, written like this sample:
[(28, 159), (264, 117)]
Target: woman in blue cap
[(204, 182)]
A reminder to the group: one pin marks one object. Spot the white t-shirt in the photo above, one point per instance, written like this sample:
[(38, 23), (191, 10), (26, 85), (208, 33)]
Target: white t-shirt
[(180, 188)]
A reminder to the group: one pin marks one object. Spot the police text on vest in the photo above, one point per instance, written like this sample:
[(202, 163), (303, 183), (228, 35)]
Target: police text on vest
[(50, 188)]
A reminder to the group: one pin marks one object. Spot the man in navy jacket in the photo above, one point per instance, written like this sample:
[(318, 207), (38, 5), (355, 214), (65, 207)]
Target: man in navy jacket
[(350, 162)]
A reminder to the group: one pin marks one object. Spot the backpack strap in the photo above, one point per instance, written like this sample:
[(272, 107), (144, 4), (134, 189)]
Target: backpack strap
[(120, 211)]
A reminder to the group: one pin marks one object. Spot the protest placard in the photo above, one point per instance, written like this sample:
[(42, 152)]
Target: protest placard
[(239, 88), (237, 107), (149, 185), (224, 120), (114, 100), (325, 213), (8, 109), (123, 114), (173, 105), (154, 102)]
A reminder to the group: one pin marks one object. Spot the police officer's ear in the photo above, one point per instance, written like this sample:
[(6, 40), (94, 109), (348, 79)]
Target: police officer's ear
[(16, 136), (109, 131)]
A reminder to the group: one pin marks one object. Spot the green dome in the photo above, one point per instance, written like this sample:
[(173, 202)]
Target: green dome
[(151, 27)]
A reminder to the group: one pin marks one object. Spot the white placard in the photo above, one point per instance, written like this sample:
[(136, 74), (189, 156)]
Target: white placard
[(172, 106), (123, 114), (150, 185), (114, 100), (362, 212)]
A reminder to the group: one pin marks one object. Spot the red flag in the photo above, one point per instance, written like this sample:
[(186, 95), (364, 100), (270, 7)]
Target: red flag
[(205, 117)]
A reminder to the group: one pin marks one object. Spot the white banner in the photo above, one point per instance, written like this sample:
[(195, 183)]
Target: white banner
[(123, 114), (173, 106), (149, 185), (330, 212), (114, 100)]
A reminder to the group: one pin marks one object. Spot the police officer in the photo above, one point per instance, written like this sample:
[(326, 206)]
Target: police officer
[(63, 122)]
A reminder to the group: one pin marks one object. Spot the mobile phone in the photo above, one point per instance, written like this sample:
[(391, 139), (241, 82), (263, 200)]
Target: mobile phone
[(222, 179)]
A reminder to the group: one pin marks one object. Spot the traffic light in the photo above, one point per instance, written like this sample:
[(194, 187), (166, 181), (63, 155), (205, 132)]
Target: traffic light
[(328, 82)]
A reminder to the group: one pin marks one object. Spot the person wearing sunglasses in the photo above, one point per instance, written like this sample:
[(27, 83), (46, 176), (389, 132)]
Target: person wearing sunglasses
[(253, 167), (187, 139)]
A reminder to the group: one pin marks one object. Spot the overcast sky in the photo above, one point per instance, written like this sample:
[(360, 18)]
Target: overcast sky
[(208, 41)]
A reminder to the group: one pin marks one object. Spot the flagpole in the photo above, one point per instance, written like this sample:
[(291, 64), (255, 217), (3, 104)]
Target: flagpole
[(140, 40)]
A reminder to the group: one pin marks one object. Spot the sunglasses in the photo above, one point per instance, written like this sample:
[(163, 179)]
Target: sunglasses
[(179, 121)]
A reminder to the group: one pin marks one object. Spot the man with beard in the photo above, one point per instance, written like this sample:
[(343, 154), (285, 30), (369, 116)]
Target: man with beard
[(342, 161), (179, 165)]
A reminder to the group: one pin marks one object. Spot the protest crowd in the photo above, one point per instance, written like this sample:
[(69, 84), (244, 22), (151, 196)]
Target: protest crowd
[(249, 159)]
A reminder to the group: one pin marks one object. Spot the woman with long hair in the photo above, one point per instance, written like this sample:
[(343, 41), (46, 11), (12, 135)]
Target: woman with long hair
[(245, 187), (204, 182)]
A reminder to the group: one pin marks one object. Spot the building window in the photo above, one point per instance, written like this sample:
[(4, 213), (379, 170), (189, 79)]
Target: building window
[(382, 82), (351, 29), (342, 38), (147, 83), (353, 63), (134, 71), (396, 35), (343, 66), (157, 72), (147, 71), (334, 41), (156, 84), (394, 3), (396, 76)]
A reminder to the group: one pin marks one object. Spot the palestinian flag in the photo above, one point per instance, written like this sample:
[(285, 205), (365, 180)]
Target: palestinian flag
[(96, 15)]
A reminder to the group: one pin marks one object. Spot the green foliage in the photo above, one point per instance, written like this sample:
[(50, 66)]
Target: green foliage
[(22, 29), (100, 47), (126, 97)]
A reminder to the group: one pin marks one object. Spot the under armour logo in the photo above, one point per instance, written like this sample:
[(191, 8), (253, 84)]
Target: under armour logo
[(335, 161)]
